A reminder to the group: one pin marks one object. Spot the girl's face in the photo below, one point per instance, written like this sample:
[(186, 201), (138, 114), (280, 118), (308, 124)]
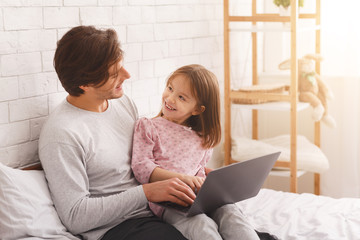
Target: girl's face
[(178, 103)]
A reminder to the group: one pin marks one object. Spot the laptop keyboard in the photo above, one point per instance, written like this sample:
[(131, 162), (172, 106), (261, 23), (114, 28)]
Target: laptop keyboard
[(175, 206)]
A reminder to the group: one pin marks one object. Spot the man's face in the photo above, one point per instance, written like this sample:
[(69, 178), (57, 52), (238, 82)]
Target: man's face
[(113, 88)]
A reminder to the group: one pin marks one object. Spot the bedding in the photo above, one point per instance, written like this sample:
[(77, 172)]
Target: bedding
[(27, 212), (303, 216), (26, 208)]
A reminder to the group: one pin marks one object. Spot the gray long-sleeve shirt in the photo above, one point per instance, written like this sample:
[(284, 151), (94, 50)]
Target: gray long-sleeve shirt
[(86, 158)]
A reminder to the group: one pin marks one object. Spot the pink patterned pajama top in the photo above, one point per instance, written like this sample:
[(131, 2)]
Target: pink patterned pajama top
[(171, 146)]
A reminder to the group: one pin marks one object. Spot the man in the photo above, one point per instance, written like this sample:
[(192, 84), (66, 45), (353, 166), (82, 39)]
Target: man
[(85, 146)]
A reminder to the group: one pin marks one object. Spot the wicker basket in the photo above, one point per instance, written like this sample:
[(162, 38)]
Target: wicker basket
[(261, 88)]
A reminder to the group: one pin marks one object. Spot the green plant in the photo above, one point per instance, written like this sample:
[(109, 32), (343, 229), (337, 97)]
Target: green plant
[(286, 3)]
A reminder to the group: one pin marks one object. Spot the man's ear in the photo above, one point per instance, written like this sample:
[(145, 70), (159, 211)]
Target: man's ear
[(85, 88), (199, 110)]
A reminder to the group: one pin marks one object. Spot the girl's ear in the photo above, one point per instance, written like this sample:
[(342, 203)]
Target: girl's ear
[(199, 110)]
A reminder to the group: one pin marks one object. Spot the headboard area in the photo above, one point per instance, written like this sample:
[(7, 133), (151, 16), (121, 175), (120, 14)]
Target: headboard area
[(35, 166), (25, 198)]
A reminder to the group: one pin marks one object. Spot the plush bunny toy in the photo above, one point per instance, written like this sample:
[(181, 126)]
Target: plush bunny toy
[(312, 88)]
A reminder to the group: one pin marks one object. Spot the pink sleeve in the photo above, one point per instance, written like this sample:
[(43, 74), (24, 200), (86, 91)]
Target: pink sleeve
[(206, 158), (142, 162)]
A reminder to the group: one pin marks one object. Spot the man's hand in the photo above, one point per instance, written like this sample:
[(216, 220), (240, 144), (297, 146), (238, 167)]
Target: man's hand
[(173, 190)]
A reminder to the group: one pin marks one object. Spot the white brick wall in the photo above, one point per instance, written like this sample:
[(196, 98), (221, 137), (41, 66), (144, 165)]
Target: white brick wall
[(59, 17), (28, 108), (19, 64), (9, 88), (4, 110), (22, 18), (103, 15), (8, 41), (36, 40), (157, 35)]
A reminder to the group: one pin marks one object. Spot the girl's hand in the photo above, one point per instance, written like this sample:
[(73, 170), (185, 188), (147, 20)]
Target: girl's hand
[(193, 181), (207, 170)]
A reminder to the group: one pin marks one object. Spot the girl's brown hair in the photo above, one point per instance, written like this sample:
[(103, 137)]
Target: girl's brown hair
[(205, 88), (83, 57)]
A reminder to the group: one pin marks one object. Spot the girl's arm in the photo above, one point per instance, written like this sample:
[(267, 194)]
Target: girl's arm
[(203, 171), (144, 139), (195, 182), (160, 174)]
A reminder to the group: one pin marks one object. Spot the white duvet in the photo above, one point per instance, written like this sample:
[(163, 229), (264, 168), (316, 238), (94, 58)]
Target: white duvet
[(303, 216)]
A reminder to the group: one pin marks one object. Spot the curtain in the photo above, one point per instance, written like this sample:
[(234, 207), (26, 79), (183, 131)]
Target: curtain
[(342, 144), (341, 70)]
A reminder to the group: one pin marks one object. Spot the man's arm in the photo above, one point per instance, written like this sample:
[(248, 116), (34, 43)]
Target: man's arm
[(69, 186)]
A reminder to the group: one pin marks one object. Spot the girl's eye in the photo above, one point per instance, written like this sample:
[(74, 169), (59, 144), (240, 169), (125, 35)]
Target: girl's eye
[(170, 88), (182, 98)]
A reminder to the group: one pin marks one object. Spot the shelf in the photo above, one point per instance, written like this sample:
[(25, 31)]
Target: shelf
[(278, 100), (266, 17), (284, 173), (260, 95), (283, 28), (276, 106)]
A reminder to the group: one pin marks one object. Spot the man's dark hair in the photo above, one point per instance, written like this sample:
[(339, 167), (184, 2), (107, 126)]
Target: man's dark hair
[(83, 57)]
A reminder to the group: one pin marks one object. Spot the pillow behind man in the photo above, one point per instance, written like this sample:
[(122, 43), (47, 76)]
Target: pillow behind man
[(26, 208)]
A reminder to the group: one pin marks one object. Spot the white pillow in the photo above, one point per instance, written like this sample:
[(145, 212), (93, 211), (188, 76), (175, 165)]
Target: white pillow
[(26, 208), (245, 148), (309, 156)]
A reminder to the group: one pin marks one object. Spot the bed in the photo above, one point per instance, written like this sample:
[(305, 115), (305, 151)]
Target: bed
[(303, 216), (26, 211)]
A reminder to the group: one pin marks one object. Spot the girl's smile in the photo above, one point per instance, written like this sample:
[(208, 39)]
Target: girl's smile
[(169, 107)]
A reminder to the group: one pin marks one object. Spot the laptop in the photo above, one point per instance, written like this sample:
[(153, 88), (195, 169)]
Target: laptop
[(229, 184)]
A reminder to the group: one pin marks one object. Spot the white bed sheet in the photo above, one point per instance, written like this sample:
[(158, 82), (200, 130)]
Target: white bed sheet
[(303, 216)]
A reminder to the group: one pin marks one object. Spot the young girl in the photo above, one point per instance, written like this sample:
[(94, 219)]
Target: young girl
[(178, 143)]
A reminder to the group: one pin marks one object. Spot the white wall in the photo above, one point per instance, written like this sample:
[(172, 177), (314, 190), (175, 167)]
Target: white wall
[(341, 50), (157, 35)]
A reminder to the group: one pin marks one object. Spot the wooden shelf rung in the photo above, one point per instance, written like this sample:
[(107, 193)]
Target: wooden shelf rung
[(259, 18), (268, 18), (257, 95), (282, 164)]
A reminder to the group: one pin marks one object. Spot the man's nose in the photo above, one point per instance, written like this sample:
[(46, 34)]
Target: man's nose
[(126, 74)]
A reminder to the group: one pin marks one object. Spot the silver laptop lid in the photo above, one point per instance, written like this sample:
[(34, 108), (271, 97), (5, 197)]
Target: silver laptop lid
[(233, 183)]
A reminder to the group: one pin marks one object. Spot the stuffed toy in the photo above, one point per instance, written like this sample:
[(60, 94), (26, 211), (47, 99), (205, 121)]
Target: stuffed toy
[(312, 88)]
